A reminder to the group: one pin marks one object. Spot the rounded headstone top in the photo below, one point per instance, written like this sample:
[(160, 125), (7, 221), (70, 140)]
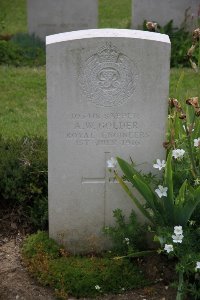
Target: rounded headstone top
[(103, 33)]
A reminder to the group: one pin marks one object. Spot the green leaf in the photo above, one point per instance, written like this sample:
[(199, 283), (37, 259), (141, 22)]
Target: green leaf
[(181, 195), (183, 214), (139, 182), (146, 192), (128, 170), (168, 180), (197, 194), (134, 199), (143, 187)]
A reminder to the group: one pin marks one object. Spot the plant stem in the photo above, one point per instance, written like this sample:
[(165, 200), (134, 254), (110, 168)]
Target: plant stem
[(199, 56), (137, 254), (180, 295), (190, 152)]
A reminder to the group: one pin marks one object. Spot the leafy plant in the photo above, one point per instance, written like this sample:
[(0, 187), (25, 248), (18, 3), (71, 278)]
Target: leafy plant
[(126, 235), (175, 209), (180, 42), (10, 53), (171, 205), (23, 173), (22, 50), (184, 245)]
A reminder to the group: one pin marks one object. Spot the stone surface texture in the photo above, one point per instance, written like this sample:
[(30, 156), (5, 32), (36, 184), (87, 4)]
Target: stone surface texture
[(107, 97), (164, 11), (46, 17)]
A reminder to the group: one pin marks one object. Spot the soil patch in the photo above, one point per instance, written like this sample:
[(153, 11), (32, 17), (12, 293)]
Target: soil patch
[(16, 282)]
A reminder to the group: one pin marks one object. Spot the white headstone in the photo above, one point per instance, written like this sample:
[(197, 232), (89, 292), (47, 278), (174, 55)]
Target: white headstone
[(162, 11), (46, 17), (107, 97)]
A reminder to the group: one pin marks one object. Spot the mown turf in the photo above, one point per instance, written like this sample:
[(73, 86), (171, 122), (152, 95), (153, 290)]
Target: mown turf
[(184, 83), (115, 13), (23, 101), (13, 16)]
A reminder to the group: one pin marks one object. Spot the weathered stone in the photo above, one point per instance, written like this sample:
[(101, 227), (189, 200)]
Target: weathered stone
[(107, 97), (164, 11), (47, 17)]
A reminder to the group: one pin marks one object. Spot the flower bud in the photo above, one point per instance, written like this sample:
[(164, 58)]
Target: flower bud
[(191, 50), (174, 103), (197, 112), (182, 116), (194, 65), (194, 101), (167, 145), (151, 26), (196, 34)]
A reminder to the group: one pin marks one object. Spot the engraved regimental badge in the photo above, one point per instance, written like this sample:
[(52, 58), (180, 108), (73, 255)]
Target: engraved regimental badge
[(108, 77)]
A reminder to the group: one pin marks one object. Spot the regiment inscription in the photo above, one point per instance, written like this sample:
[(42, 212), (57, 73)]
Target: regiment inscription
[(102, 129)]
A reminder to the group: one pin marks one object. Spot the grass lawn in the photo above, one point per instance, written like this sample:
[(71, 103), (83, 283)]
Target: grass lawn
[(23, 101), (115, 13), (13, 16), (184, 83)]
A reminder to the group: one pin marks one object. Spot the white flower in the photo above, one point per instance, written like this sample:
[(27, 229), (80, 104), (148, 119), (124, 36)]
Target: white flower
[(187, 128), (126, 240), (97, 287), (197, 181), (178, 153), (111, 163), (168, 248), (191, 222), (177, 238), (198, 265), (161, 191), (197, 142), (178, 230), (159, 164)]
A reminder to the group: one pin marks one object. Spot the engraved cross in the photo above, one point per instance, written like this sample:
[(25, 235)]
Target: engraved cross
[(102, 179)]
